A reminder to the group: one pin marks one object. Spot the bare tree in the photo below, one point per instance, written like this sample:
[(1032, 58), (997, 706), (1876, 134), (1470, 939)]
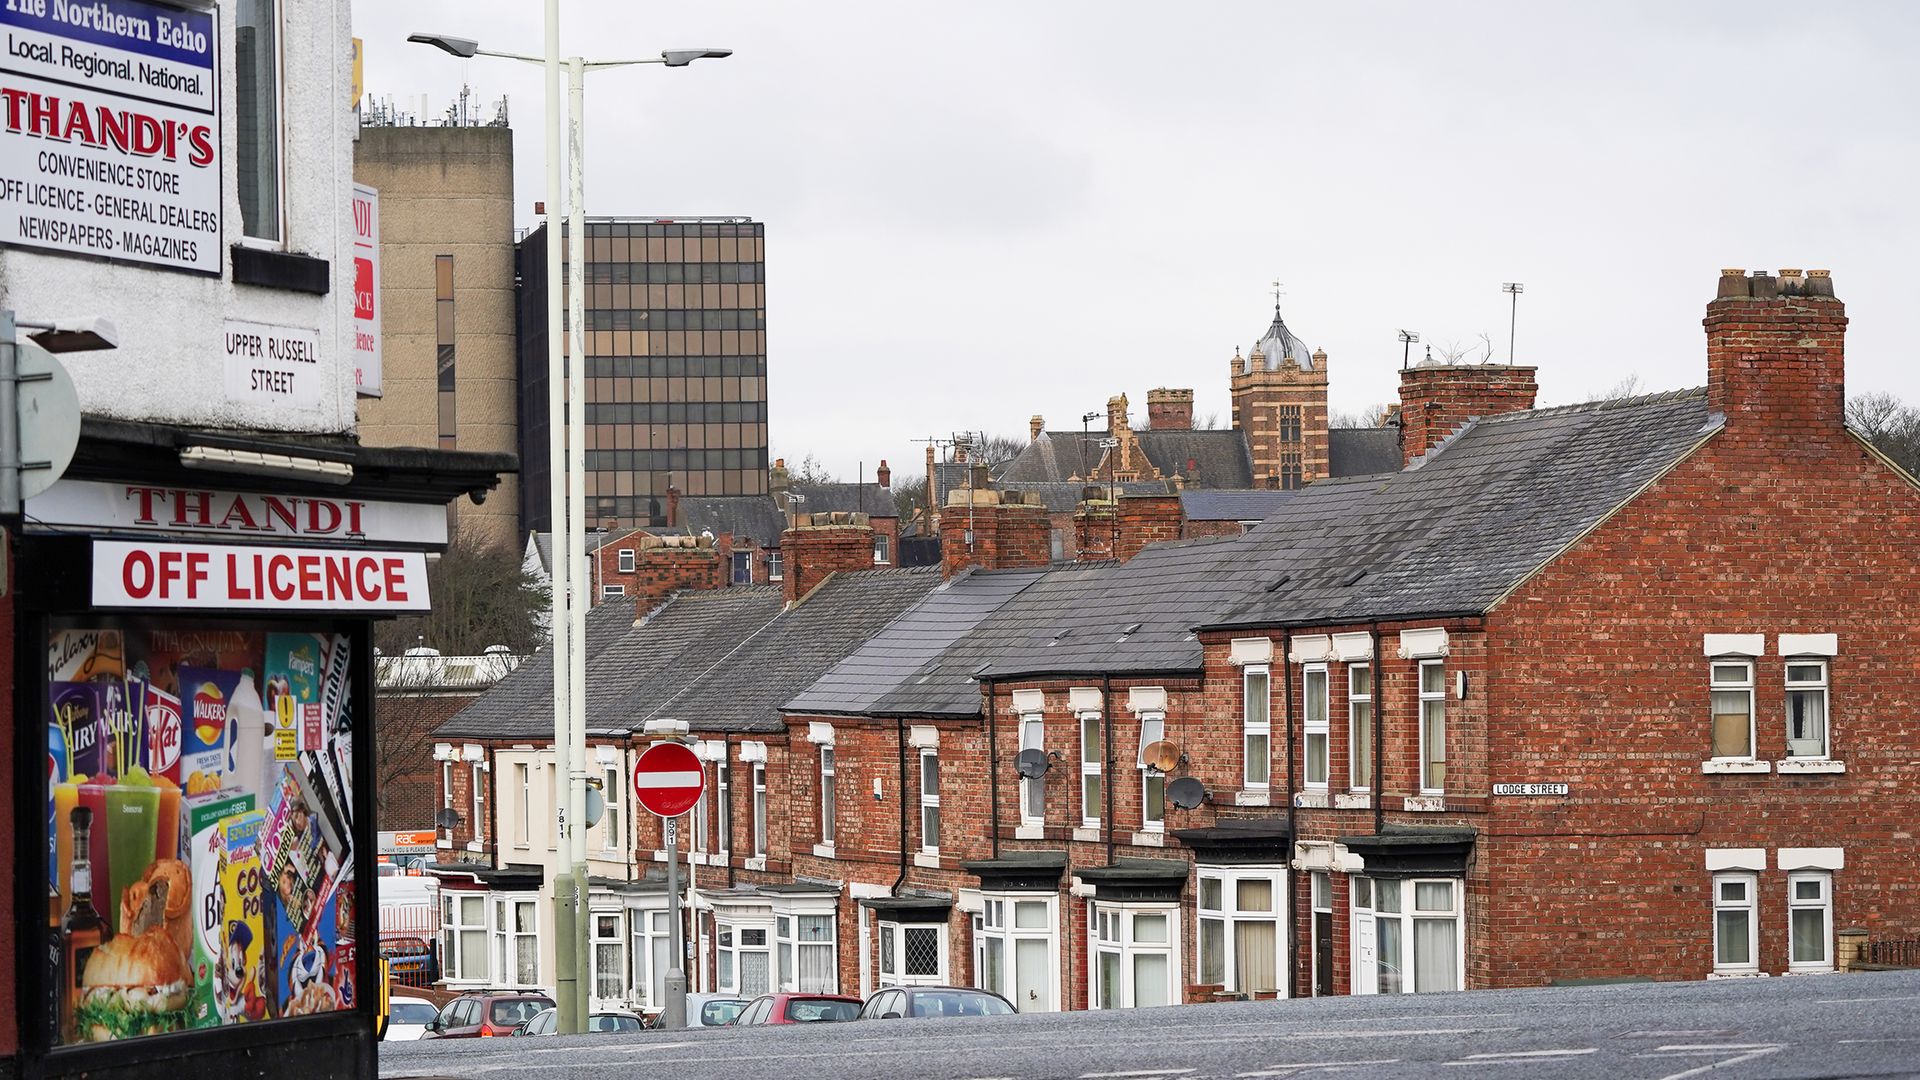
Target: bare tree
[(1625, 388), (1368, 416), (1209, 422), (909, 495), (481, 596), (415, 695), (1889, 424)]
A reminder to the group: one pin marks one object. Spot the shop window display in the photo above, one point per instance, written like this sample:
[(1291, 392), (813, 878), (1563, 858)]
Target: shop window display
[(199, 825)]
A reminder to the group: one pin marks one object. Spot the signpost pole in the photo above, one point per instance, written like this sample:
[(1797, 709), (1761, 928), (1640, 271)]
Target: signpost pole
[(9, 419), (673, 1012)]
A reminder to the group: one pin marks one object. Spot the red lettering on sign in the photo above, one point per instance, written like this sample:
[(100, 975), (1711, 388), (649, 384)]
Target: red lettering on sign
[(169, 569), (288, 515), (322, 524), (396, 578), (137, 587), (276, 566), (362, 568), (196, 572), (339, 579), (309, 578), (239, 509), (145, 495)]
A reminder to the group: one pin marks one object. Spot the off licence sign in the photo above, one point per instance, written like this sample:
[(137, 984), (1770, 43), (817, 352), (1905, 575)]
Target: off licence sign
[(231, 576), (668, 779)]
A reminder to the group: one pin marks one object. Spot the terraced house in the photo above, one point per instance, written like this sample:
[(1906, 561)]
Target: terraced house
[(1615, 690)]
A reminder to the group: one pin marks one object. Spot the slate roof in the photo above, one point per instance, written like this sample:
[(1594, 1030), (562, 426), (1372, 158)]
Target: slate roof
[(910, 649), (745, 516), (671, 645), (521, 705), (1361, 451), (744, 689), (1207, 457), (1279, 342), (1064, 496), (1250, 505), (869, 498), (1455, 531)]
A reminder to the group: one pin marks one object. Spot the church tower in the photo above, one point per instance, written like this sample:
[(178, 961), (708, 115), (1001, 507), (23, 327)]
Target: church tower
[(1280, 405)]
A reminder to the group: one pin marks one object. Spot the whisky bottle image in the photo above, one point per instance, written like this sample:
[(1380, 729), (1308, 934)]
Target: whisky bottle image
[(82, 930)]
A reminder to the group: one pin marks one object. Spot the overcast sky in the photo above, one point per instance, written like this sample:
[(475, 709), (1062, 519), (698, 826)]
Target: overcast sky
[(976, 212)]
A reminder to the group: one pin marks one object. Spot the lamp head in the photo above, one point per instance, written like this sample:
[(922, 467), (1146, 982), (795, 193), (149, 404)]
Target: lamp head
[(683, 57), (458, 46)]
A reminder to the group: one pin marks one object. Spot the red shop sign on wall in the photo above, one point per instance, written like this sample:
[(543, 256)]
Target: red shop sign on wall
[(280, 578)]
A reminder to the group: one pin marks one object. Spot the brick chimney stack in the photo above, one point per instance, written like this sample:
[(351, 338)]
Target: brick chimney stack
[(1035, 425), (818, 545), (661, 565), (1109, 530), (1169, 410), (1436, 399), (1116, 415), (1776, 354), (673, 505), (883, 475), (996, 530)]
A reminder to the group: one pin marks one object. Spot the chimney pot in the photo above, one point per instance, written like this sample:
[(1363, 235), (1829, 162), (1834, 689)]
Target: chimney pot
[(1733, 282), (883, 475), (1819, 283), (1035, 425), (1763, 286)]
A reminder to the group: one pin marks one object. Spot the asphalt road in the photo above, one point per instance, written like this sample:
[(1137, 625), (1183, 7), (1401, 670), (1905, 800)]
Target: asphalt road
[(1804, 1026)]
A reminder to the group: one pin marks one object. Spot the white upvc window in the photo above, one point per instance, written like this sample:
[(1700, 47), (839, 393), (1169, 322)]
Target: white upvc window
[(1736, 924), (446, 790), (929, 801), (1810, 921), (1730, 686), (652, 953), (759, 810), (609, 959), (699, 815), (1256, 726), (1240, 912), (479, 782), (776, 566), (913, 954), (1807, 709), (612, 839), (463, 936), (1092, 791), (1136, 955), (608, 592), (743, 958), (1033, 792), (1360, 727), (804, 957), (1153, 782), (523, 814), (723, 810), (1313, 699), (259, 122), (1015, 950), (1408, 934), (829, 791), (882, 548), (516, 941), (1433, 726), (626, 560)]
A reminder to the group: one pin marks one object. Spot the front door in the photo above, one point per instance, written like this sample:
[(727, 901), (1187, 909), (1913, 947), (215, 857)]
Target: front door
[(1322, 935), (1365, 953), (1032, 974)]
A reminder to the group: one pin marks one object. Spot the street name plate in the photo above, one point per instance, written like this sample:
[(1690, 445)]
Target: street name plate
[(1529, 789)]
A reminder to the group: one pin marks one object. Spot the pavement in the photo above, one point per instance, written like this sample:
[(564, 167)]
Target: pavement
[(1861, 1025)]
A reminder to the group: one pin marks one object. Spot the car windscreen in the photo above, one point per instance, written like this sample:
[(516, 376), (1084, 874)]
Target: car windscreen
[(937, 1003), (509, 1013), (720, 1013), (612, 1022), (808, 1012), (411, 1012)]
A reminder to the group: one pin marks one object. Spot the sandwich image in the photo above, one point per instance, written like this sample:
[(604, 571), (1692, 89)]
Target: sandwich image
[(136, 984), (176, 907)]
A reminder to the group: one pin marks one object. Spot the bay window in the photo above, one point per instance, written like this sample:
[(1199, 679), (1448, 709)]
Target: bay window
[(463, 936), (516, 942), (1255, 726), (652, 954), (1433, 726), (1313, 698), (1015, 951), (1360, 727), (609, 958), (1091, 753), (1810, 921), (1730, 686), (1407, 935), (1135, 955), (743, 959), (1735, 924), (804, 945), (1239, 928), (1807, 709)]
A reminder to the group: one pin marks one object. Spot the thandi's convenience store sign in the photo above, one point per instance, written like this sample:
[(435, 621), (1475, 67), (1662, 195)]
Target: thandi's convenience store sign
[(110, 131)]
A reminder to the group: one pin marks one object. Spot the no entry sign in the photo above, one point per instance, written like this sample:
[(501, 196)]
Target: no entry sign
[(668, 779)]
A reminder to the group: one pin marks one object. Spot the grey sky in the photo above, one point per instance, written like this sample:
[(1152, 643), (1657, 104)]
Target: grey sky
[(980, 211)]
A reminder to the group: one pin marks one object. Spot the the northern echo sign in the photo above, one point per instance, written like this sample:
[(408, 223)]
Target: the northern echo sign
[(668, 779), (110, 140)]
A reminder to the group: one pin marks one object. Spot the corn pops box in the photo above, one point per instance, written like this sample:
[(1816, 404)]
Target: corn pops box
[(208, 695), (242, 977)]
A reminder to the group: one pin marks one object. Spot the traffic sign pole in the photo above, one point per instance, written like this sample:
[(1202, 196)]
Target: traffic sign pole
[(673, 1011), (668, 780)]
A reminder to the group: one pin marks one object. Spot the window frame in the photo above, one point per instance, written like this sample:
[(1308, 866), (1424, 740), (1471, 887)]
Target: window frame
[(723, 813), (1124, 944), (1093, 782), (1034, 724), (626, 560), (739, 562), (454, 926), (644, 938), (612, 839), (929, 802), (1751, 906), (790, 945), (1407, 914), (479, 801), (729, 938), (1823, 904), (280, 241), (1716, 685), (504, 941), (1154, 721), (776, 565), (523, 825), (829, 793), (882, 549), (1360, 744), (998, 920), (893, 950), (619, 943), (1310, 727), (609, 591), (1251, 728), (1432, 697), (1230, 917), (760, 822), (1821, 687)]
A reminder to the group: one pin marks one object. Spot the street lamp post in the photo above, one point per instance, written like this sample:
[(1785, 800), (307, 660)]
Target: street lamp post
[(566, 476)]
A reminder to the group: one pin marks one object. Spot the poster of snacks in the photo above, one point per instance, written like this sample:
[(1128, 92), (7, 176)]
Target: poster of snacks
[(199, 838)]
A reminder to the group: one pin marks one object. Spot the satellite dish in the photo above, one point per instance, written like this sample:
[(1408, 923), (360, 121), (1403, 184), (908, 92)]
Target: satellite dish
[(596, 806), (1186, 793), (447, 818), (1162, 756), (1032, 764)]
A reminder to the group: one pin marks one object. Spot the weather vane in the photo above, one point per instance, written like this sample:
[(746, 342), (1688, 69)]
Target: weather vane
[(1278, 292)]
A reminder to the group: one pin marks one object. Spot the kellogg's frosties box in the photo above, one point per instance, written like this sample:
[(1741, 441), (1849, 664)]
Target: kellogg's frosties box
[(205, 694)]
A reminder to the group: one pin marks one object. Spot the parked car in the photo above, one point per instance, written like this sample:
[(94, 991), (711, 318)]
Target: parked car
[(408, 1017), (903, 1001), (713, 1010), (797, 1009), (546, 1021), (484, 1013), (410, 961)]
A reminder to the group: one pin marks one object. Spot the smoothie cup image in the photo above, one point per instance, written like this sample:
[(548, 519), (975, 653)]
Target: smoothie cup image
[(168, 843), (133, 820)]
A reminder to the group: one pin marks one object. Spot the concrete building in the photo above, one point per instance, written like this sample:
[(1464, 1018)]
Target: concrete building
[(676, 366), (447, 302)]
